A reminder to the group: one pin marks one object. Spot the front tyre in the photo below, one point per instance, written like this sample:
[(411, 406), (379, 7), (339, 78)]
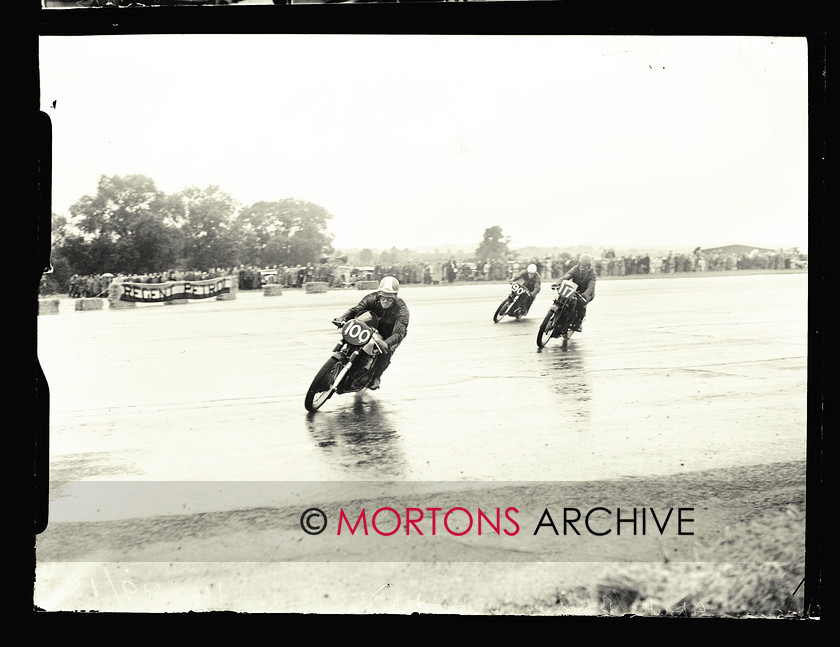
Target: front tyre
[(323, 386), (565, 318), (501, 311), (546, 330)]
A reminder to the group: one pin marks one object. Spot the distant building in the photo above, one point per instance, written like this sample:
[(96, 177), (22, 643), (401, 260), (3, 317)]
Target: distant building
[(737, 250)]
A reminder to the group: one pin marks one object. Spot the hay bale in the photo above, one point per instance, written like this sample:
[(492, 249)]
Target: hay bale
[(313, 287), (366, 285), (234, 288), (91, 303), (272, 290), (176, 302), (48, 306), (114, 302)]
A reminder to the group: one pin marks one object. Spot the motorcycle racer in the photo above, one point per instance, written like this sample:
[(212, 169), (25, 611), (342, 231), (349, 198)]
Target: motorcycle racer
[(531, 281), (392, 314), (584, 276)]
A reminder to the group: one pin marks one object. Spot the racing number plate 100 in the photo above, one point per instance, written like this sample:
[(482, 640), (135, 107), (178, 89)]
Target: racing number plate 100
[(356, 332)]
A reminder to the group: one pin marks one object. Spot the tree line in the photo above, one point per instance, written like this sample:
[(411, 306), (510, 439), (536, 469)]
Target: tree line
[(132, 226)]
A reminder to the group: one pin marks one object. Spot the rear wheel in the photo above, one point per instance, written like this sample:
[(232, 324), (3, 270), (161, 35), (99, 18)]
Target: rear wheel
[(322, 386), (501, 311), (546, 330)]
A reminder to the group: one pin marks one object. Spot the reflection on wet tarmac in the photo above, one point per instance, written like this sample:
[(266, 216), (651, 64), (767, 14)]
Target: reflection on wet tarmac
[(566, 377), (360, 440)]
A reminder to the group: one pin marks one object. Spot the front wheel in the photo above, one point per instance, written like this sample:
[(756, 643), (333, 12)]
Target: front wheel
[(546, 330), (565, 318), (501, 311), (323, 385)]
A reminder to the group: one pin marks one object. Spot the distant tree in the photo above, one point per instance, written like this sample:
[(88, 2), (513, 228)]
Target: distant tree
[(494, 245), (61, 236), (60, 230), (388, 256), (285, 232), (204, 218), (366, 257), (123, 227)]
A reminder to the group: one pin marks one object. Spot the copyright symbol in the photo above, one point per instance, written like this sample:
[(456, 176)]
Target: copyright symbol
[(313, 521)]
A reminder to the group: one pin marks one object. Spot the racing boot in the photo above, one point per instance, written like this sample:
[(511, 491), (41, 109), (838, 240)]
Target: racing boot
[(578, 325), (382, 362)]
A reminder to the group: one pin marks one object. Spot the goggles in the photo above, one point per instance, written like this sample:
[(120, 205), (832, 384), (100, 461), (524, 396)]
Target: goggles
[(387, 299)]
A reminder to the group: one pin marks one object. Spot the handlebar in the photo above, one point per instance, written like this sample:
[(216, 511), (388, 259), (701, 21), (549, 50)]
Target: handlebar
[(575, 295)]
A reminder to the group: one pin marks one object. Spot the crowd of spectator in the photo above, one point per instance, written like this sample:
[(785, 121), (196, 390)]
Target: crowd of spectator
[(698, 261), (449, 270)]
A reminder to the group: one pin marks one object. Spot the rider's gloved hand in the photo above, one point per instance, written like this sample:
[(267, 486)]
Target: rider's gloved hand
[(383, 346), (338, 322)]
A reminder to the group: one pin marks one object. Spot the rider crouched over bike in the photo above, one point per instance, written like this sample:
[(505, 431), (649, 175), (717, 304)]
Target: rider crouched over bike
[(584, 276), (531, 281), (392, 315)]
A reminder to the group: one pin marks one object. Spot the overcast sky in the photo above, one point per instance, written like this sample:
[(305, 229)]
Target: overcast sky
[(425, 141)]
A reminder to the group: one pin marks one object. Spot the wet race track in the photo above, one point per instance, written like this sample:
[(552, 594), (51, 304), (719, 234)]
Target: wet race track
[(671, 375), (668, 375)]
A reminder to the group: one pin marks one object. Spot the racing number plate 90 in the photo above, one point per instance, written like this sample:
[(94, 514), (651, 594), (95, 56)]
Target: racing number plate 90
[(357, 333)]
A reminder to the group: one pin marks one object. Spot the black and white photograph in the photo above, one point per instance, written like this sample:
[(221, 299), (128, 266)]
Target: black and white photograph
[(389, 323)]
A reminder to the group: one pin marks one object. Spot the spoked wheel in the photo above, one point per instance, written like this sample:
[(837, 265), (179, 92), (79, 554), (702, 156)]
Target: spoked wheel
[(501, 311), (546, 330), (322, 386)]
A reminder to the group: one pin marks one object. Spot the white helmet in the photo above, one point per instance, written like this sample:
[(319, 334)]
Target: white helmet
[(585, 258), (389, 286), (532, 268)]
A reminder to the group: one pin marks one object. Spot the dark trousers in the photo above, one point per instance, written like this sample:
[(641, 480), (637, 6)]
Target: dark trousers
[(382, 363), (529, 300)]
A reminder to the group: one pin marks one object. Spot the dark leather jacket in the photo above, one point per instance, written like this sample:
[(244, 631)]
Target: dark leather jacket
[(533, 283), (585, 280), (393, 321)]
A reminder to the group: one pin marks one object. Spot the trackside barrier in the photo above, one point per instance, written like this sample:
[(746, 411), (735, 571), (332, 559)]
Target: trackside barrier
[(313, 287), (128, 295), (272, 290), (366, 285), (90, 304), (48, 306)]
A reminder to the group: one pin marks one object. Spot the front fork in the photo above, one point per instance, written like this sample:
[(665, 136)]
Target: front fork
[(345, 370)]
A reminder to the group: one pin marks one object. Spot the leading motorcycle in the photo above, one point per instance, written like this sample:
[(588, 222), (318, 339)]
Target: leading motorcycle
[(561, 316), (514, 304), (349, 368)]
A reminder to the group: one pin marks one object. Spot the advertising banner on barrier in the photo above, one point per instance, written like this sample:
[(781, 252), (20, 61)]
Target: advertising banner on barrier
[(174, 290)]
